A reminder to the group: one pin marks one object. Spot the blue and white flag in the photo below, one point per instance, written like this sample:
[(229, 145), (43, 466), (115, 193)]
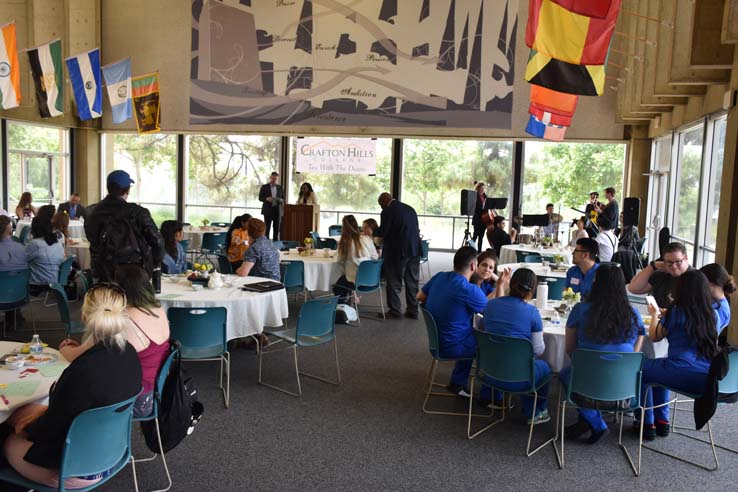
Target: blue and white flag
[(84, 72), (118, 80)]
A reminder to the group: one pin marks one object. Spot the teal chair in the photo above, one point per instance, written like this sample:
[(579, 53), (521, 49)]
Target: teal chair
[(315, 326), (202, 335), (98, 440), (603, 377), (368, 279), (508, 360), (293, 277), (224, 266), (317, 242), (65, 269), (335, 230), (220, 224), (161, 379), (430, 381), (62, 304), (212, 244), (278, 244), (329, 242), (25, 232), (424, 248), (290, 244), (555, 288), (13, 292), (532, 258)]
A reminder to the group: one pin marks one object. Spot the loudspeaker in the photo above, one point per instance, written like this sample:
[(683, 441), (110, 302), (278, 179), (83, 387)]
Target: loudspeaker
[(468, 202), (631, 211)]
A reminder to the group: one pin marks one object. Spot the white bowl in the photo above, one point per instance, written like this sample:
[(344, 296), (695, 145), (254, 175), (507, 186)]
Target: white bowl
[(14, 362), (197, 287)]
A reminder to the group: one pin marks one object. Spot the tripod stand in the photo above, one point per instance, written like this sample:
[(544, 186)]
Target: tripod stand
[(467, 234)]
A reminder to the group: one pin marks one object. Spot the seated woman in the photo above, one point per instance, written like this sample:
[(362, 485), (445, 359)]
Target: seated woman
[(60, 225), (175, 257), (367, 228), (25, 208), (605, 322), (262, 257), (722, 286), (580, 233), (106, 373), (486, 277), (45, 252), (690, 325), (512, 316), (353, 248), (237, 240)]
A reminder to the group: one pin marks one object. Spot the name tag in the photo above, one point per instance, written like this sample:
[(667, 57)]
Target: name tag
[(575, 281)]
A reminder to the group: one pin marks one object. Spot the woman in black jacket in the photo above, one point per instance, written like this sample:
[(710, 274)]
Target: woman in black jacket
[(106, 373)]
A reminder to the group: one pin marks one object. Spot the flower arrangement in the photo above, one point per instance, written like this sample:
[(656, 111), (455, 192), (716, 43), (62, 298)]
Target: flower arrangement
[(558, 259), (308, 242), (201, 271), (570, 296), (205, 222)]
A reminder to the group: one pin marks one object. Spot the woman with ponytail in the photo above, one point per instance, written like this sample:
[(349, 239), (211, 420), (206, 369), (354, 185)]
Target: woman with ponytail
[(722, 286), (107, 371), (353, 248)]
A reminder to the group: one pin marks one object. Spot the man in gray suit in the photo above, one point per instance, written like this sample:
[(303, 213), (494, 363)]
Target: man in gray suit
[(73, 208)]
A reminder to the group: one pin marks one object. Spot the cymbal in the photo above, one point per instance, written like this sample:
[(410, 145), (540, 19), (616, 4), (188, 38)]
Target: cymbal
[(556, 218)]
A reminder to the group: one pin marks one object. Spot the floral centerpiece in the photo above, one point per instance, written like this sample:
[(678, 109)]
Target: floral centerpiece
[(201, 274), (558, 259), (205, 223), (571, 297)]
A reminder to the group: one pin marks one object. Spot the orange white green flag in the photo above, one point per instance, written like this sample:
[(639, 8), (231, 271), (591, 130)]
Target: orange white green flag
[(10, 94), (146, 107)]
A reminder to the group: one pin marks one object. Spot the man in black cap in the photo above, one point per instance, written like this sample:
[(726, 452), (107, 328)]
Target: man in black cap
[(120, 232)]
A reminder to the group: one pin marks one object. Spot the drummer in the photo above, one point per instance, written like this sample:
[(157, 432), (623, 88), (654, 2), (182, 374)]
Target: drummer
[(552, 229)]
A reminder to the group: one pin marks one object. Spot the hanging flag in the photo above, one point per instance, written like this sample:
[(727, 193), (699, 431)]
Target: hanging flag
[(548, 117), (568, 36), (46, 69), (582, 80), (539, 129), (589, 8), (145, 92), (118, 82), (10, 94), (552, 101), (84, 72)]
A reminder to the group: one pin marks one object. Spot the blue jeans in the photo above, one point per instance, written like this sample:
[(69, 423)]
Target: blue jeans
[(542, 371), (592, 417), (676, 373)]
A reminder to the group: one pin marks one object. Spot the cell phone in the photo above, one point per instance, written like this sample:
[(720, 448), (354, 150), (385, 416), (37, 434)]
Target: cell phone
[(651, 301)]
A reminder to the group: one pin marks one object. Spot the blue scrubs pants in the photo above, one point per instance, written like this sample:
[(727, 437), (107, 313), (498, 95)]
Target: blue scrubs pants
[(592, 417), (466, 347), (682, 375), (542, 370)]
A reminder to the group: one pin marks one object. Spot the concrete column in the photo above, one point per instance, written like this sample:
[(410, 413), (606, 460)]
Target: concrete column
[(87, 155), (638, 162)]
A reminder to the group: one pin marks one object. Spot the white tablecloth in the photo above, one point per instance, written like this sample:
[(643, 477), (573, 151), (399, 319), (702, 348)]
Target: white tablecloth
[(509, 252), (248, 312), (76, 228), (320, 272), (8, 376), (194, 234), (82, 251), (537, 268)]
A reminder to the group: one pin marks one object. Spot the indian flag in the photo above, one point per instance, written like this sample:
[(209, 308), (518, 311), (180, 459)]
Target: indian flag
[(46, 68), (10, 94)]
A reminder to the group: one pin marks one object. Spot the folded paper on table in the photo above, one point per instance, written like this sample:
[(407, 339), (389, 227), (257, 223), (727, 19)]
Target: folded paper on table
[(52, 370), (21, 388)]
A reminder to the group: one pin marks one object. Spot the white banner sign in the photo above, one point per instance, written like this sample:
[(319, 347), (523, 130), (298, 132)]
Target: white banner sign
[(336, 155)]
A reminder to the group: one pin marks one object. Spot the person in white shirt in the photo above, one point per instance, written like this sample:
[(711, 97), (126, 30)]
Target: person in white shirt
[(580, 233), (353, 248), (606, 239)]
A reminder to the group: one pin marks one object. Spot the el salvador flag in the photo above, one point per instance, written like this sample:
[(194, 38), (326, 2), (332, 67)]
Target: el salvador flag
[(84, 72)]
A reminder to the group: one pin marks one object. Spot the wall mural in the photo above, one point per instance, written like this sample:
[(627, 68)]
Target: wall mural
[(409, 63)]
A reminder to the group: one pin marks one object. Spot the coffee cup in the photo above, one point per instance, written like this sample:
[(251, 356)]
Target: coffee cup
[(326, 252)]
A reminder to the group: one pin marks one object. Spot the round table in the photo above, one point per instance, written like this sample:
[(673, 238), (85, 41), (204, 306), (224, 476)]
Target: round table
[(248, 312), (194, 234), (80, 249), (320, 272), (76, 228), (539, 269), (33, 387), (509, 253)]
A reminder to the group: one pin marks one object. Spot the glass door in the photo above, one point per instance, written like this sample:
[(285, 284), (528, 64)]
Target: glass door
[(39, 178)]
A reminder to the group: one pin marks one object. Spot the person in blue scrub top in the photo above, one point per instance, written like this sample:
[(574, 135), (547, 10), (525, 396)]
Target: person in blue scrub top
[(581, 276), (722, 286), (175, 260), (453, 301), (486, 276), (605, 322), (512, 316), (690, 326)]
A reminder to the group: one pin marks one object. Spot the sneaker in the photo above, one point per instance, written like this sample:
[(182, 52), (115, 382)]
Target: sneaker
[(411, 315), (458, 390), (540, 418), (576, 430), (597, 436), (662, 428), (649, 432)]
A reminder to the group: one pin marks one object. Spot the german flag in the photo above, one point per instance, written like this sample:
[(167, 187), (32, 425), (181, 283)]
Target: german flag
[(582, 80), (568, 36)]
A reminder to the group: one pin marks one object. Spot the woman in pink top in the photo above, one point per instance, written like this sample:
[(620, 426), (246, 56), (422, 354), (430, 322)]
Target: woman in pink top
[(148, 331)]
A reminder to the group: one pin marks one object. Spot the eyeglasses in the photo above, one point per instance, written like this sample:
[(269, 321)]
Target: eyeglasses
[(581, 251), (670, 263)]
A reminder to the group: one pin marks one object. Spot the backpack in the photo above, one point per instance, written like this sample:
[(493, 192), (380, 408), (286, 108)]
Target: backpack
[(120, 243), (179, 410)]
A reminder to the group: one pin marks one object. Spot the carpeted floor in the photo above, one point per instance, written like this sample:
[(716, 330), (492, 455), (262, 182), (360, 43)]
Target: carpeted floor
[(370, 434)]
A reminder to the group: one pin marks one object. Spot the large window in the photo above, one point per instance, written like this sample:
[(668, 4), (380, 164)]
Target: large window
[(38, 163), (565, 173), (224, 173), (712, 180), (657, 192), (343, 194), (687, 186), (435, 172), (151, 160)]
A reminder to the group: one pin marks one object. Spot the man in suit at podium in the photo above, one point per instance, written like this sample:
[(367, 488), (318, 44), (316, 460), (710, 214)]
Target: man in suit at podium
[(401, 252), (271, 195), (73, 208)]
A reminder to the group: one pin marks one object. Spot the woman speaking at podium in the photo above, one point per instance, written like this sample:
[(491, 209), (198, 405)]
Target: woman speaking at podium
[(307, 196)]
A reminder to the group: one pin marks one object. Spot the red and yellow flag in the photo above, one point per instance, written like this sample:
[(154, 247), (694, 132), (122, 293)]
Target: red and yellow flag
[(591, 8)]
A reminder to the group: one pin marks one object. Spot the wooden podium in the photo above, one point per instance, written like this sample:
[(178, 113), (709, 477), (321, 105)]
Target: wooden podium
[(298, 221)]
